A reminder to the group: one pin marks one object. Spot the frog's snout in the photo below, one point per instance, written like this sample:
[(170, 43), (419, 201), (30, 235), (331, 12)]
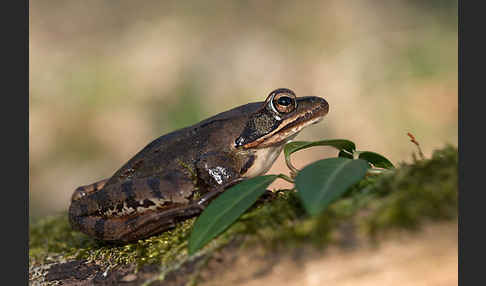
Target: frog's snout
[(324, 105), (321, 104), (321, 108)]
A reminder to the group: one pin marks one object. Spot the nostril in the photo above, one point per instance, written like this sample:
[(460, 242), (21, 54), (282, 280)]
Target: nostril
[(324, 104), (323, 101)]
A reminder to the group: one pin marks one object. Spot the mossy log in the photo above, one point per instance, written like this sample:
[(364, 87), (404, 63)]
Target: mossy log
[(407, 198)]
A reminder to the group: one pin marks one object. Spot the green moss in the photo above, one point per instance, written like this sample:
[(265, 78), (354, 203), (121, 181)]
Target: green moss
[(53, 236), (425, 190), (403, 198)]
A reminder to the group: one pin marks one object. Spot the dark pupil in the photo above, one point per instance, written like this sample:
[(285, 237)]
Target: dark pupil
[(284, 100)]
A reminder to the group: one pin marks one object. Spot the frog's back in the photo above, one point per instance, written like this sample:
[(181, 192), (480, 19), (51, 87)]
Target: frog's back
[(180, 149)]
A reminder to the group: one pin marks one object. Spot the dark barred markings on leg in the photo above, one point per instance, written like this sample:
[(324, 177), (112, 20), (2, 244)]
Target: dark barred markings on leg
[(154, 185), (128, 190), (99, 228)]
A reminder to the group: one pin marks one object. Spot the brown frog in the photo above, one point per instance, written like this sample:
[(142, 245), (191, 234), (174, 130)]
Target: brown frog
[(175, 176)]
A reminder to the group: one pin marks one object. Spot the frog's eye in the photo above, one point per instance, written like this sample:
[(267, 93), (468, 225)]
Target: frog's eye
[(284, 102)]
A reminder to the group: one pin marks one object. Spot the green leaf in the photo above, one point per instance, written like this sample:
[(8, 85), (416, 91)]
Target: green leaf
[(340, 144), (226, 209), (292, 147), (376, 159), (322, 182)]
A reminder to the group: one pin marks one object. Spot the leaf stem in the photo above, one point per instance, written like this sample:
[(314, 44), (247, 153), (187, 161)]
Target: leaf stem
[(286, 178), (290, 166), (376, 171)]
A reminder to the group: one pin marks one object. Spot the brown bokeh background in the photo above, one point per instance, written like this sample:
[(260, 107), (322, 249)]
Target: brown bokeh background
[(107, 77)]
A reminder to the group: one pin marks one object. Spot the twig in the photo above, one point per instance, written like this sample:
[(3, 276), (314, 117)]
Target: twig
[(412, 139)]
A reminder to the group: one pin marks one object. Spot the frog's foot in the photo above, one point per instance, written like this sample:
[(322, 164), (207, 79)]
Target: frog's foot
[(267, 196), (206, 198), (87, 189)]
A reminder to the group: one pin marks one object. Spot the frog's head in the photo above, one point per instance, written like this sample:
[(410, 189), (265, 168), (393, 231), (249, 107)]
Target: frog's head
[(281, 117)]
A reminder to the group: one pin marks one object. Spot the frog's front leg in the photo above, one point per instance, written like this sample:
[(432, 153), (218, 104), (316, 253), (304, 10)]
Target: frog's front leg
[(218, 172), (87, 189), (206, 198)]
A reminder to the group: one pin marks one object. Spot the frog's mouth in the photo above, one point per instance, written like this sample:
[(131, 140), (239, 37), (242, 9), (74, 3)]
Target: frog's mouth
[(292, 125)]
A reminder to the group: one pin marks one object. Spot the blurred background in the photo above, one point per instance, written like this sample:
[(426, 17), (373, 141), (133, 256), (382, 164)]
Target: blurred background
[(108, 77)]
